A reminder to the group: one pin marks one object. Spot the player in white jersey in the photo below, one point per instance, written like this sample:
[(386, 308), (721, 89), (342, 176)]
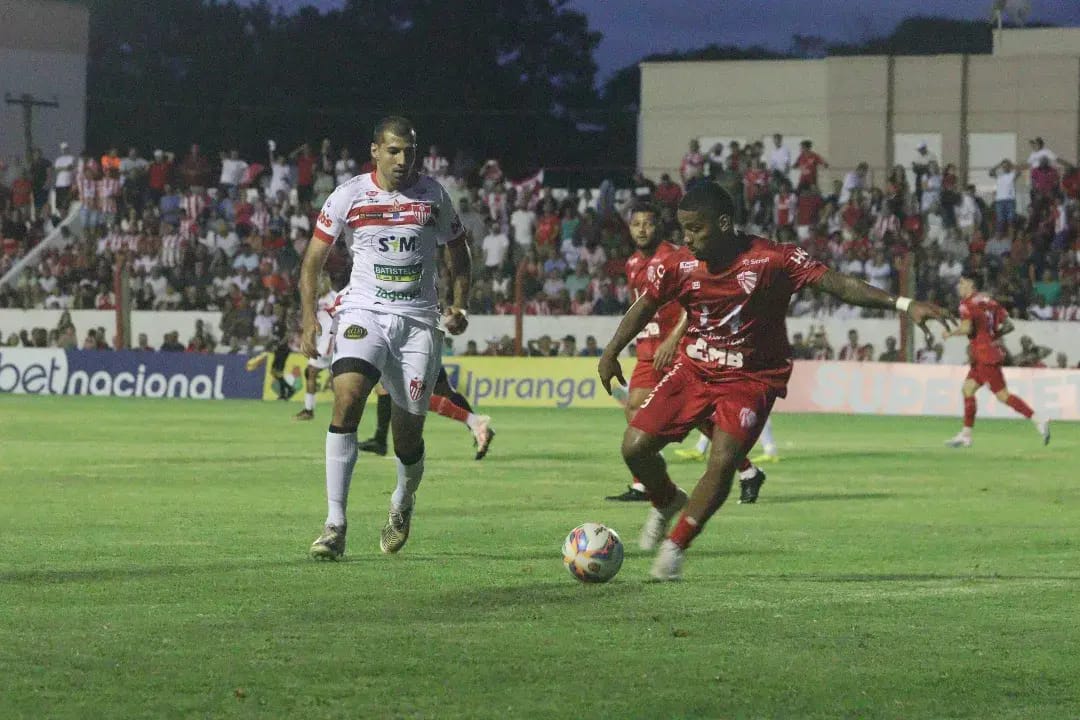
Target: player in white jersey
[(387, 318), (325, 345)]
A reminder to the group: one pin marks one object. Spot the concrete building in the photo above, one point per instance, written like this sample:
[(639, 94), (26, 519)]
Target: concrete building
[(43, 49), (972, 110)]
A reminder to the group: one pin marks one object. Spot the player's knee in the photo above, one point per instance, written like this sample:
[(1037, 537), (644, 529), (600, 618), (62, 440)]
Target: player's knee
[(634, 446), (409, 451)]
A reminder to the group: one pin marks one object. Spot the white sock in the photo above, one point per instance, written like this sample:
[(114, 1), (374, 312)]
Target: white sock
[(309, 402), (471, 420), (703, 443), (768, 443), (340, 460), (748, 473), (408, 479), (965, 431), (637, 486)]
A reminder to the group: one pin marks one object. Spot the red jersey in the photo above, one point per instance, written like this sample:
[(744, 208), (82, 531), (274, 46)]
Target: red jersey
[(808, 163), (640, 273), (986, 317), (736, 328)]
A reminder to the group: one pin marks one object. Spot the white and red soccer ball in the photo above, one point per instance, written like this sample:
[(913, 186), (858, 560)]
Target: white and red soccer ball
[(593, 553)]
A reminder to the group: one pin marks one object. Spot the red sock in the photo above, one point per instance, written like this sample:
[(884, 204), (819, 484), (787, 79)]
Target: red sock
[(685, 531), (744, 465), (445, 407), (1019, 406), (663, 497), (969, 412)]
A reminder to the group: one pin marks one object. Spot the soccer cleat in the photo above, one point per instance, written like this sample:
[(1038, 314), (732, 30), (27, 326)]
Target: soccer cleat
[(667, 566), (656, 523), (960, 440), (330, 545), (632, 494), (1043, 426), (690, 454), (765, 458), (482, 435), (373, 445), (395, 532), (750, 487), (304, 415)]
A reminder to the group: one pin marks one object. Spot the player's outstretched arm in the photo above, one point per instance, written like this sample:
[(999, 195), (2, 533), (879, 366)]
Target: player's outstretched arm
[(854, 291), (459, 260), (963, 329), (633, 322), (314, 258)]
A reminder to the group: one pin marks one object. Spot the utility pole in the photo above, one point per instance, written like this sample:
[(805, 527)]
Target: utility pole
[(28, 102)]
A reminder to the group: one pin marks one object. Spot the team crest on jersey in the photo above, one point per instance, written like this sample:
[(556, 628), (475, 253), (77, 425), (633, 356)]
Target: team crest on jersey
[(416, 388), (747, 418), (747, 280), (422, 212), (355, 332)]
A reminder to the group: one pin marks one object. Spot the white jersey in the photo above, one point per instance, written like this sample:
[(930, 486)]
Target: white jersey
[(394, 238)]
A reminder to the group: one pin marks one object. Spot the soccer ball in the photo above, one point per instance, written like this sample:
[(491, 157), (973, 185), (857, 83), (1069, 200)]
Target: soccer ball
[(593, 553)]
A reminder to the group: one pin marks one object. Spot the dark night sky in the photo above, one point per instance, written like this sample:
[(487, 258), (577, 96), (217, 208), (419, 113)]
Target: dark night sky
[(635, 28)]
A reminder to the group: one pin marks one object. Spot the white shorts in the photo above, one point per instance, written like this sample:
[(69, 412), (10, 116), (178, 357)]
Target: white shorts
[(406, 352), (325, 342)]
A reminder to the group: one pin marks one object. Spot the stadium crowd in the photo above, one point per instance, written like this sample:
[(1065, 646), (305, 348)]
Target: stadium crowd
[(224, 233)]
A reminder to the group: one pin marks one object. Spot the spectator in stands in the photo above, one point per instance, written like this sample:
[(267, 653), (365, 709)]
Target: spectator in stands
[(808, 163), (891, 354), (668, 193), (470, 349), (1062, 361), (495, 247), (568, 346), (779, 160), (591, 349), (195, 170), (523, 223), (1031, 355), (1004, 194), (143, 344), (854, 182), (63, 178), (692, 167), (1039, 152), (799, 349), (542, 347), (852, 350), (172, 343)]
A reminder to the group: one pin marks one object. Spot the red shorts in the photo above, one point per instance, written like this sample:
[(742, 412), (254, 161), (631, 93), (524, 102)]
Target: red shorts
[(682, 400), (987, 375), (645, 375)]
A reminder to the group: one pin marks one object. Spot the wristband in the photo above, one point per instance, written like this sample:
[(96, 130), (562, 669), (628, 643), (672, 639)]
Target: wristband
[(903, 303)]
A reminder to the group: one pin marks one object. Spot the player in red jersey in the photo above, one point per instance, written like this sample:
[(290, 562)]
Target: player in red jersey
[(985, 322), (734, 361)]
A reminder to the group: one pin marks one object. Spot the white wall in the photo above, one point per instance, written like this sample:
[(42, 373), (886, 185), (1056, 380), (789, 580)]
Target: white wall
[(1061, 336)]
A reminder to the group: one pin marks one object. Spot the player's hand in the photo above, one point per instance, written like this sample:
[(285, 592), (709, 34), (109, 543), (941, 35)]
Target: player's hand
[(665, 354), (309, 336), (455, 321), (609, 368), (923, 312)]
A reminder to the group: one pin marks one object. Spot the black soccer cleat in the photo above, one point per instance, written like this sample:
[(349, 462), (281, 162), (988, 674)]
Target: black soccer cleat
[(750, 488), (373, 445), (632, 494)]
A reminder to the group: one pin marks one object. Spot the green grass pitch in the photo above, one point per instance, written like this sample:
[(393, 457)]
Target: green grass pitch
[(155, 565)]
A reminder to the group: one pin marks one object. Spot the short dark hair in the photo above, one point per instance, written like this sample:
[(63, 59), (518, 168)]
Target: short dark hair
[(975, 279), (395, 125), (709, 199), (641, 206)]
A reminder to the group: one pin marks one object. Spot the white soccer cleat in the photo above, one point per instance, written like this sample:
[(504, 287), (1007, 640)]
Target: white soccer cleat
[(961, 440), (1043, 426), (657, 522), (483, 434), (668, 563)]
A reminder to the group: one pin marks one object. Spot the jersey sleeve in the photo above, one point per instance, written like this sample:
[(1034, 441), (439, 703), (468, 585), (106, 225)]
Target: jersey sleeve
[(333, 217), (665, 285), (799, 266), (448, 223)]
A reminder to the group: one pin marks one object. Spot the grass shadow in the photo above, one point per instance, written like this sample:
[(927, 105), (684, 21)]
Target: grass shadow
[(908, 577), (827, 497)]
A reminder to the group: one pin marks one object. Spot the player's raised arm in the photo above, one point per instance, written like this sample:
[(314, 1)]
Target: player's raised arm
[(856, 292), (459, 261), (633, 322)]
